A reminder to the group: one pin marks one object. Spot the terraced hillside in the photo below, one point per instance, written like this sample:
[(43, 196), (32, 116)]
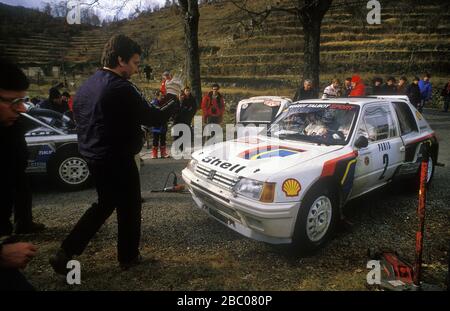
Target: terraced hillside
[(410, 40)]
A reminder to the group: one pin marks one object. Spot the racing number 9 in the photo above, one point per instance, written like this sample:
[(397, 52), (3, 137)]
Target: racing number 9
[(386, 163)]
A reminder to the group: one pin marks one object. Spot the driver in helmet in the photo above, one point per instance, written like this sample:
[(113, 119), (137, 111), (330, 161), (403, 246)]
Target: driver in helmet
[(315, 126)]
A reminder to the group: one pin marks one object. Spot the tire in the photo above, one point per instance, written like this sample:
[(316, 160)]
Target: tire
[(316, 220), (69, 171)]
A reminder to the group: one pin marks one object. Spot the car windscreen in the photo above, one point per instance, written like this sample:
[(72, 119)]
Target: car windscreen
[(52, 118), (258, 112), (330, 124)]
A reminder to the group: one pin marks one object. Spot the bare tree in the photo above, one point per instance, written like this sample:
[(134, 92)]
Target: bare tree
[(191, 16), (310, 14)]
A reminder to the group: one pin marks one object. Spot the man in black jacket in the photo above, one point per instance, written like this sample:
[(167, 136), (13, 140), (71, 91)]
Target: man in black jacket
[(305, 92), (13, 161), (187, 111), (109, 111), (413, 92)]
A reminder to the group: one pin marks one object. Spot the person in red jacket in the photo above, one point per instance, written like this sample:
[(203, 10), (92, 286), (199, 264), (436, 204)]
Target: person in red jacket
[(166, 77), (213, 106), (358, 87)]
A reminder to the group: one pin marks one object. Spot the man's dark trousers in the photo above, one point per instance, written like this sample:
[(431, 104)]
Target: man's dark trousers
[(118, 187)]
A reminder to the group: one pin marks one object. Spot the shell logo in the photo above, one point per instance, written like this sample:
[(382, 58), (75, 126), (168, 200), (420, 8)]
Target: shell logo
[(291, 187)]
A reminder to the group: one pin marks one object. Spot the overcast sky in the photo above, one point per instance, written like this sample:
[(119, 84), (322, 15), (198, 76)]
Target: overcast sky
[(104, 8)]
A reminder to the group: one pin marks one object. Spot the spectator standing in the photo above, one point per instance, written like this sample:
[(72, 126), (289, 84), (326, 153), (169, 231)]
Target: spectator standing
[(305, 92), (333, 90), (347, 87), (390, 88), (358, 87), (446, 96), (377, 88), (148, 70), (413, 92), (187, 111), (402, 86), (166, 76), (426, 90), (213, 106), (159, 132)]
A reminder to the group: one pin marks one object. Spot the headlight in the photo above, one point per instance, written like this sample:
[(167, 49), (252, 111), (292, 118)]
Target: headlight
[(192, 165), (249, 188), (253, 189)]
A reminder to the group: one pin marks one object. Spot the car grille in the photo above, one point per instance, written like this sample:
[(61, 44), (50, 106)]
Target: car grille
[(218, 178)]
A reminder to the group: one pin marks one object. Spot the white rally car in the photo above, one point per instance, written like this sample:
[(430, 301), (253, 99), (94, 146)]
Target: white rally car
[(289, 186)]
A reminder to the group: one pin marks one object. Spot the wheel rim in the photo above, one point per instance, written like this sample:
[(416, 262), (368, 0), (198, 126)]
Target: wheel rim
[(74, 171), (319, 218), (430, 169)]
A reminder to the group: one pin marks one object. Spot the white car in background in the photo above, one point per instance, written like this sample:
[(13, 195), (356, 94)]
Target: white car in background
[(260, 110), (290, 186)]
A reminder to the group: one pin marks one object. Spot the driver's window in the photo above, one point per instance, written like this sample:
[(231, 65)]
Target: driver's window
[(377, 123)]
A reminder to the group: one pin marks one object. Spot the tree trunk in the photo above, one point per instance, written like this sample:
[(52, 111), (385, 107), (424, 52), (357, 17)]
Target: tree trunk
[(311, 17), (191, 16)]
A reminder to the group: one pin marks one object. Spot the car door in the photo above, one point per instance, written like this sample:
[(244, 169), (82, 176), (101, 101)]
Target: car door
[(376, 163)]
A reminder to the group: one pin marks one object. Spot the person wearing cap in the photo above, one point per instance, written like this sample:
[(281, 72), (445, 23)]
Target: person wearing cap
[(358, 87), (413, 92), (13, 161), (213, 106), (166, 76)]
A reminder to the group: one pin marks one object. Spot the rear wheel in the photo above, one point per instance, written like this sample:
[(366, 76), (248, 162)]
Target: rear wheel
[(69, 170), (316, 220)]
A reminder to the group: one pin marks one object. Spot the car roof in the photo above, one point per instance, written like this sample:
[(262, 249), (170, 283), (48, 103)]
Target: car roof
[(360, 101), (266, 98)]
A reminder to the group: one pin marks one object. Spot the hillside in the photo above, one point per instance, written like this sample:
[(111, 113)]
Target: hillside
[(410, 40)]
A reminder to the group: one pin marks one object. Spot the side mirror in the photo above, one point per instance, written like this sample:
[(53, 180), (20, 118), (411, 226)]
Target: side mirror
[(361, 142)]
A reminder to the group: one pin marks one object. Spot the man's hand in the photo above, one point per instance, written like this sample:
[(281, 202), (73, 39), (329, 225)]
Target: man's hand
[(17, 255)]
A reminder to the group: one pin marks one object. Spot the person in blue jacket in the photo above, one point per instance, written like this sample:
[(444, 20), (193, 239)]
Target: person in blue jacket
[(159, 132), (425, 91)]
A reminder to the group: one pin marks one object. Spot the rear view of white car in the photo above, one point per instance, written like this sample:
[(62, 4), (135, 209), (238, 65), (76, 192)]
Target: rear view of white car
[(290, 185)]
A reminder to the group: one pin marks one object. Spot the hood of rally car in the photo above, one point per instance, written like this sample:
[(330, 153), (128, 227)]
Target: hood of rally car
[(262, 155)]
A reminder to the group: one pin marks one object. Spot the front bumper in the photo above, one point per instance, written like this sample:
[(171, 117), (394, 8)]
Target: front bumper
[(272, 223)]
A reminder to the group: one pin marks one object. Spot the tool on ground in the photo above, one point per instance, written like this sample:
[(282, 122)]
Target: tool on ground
[(175, 186)]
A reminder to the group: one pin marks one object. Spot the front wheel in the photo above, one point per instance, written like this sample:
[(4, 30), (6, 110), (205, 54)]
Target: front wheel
[(316, 220), (69, 170)]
